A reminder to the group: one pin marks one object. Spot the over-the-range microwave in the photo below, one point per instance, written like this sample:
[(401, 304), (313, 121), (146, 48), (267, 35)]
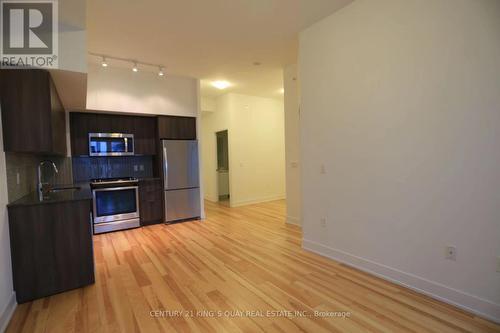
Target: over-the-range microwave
[(111, 144)]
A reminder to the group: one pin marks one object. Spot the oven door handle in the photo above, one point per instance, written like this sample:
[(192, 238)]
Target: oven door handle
[(118, 188)]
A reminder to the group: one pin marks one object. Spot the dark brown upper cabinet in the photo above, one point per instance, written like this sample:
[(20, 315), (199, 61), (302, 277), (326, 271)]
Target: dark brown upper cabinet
[(144, 135), (177, 128), (83, 123), (34, 120)]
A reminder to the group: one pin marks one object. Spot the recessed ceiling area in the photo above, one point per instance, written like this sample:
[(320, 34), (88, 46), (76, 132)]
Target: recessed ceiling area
[(244, 42)]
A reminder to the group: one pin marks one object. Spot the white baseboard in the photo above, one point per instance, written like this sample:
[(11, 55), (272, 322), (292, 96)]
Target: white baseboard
[(460, 299), (211, 199), (256, 201), (7, 312), (293, 220)]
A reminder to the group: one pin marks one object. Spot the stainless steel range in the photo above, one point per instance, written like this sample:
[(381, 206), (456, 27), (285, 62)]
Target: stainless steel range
[(115, 204)]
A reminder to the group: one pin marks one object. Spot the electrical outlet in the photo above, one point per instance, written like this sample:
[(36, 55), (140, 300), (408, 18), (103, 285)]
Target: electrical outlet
[(451, 253), (136, 168), (498, 264), (141, 167), (323, 222)]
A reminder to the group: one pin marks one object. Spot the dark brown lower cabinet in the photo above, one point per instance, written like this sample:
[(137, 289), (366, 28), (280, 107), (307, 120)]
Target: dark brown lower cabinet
[(151, 201), (51, 248)]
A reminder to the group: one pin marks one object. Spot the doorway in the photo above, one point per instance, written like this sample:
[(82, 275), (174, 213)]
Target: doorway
[(223, 166)]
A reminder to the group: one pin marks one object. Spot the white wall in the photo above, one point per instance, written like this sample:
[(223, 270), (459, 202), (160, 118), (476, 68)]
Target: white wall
[(208, 104), (211, 123), (120, 89), (401, 104), (292, 145), (256, 148), (7, 297)]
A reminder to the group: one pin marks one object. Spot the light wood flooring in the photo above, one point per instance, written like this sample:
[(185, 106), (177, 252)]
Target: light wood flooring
[(243, 259)]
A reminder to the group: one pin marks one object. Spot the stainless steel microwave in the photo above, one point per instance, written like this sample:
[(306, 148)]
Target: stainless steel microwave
[(111, 144)]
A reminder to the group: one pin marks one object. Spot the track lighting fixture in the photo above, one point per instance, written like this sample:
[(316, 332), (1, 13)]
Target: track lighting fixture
[(158, 68)]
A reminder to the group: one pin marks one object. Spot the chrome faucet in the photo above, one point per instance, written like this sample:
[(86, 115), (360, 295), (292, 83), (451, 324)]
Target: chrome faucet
[(40, 185)]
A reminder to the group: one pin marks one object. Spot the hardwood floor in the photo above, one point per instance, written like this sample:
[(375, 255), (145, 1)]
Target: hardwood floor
[(238, 259)]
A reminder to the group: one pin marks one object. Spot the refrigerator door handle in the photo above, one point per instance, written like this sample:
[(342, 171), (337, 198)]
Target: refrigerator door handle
[(165, 168)]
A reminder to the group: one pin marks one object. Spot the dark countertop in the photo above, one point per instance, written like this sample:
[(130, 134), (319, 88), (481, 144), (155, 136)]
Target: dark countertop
[(150, 178), (84, 193), (73, 195)]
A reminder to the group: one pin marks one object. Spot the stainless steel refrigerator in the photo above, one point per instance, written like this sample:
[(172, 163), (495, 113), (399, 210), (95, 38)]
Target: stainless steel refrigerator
[(181, 179)]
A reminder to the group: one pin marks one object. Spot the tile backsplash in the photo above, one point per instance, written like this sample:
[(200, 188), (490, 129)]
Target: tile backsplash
[(86, 168), (22, 177)]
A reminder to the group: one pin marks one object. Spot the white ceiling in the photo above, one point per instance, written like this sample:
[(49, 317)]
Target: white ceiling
[(207, 39)]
